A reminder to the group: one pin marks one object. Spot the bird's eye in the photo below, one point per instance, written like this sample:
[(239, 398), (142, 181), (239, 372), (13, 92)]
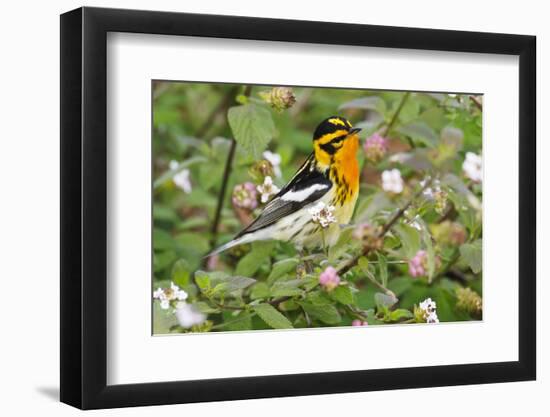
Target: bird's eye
[(337, 141)]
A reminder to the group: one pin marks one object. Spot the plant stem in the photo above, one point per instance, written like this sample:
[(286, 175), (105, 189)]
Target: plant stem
[(396, 114), (352, 262), (226, 173), (373, 279)]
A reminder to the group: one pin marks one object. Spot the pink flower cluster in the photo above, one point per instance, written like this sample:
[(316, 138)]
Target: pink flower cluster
[(357, 322), (417, 265), (245, 196), (375, 147), (329, 279)]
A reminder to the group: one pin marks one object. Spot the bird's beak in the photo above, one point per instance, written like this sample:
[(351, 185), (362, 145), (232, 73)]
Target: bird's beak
[(354, 131)]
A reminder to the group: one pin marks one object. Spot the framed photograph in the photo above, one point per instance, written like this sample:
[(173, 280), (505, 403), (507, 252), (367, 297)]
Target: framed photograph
[(258, 208)]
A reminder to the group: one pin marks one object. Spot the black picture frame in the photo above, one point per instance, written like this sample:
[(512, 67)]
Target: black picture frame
[(84, 207)]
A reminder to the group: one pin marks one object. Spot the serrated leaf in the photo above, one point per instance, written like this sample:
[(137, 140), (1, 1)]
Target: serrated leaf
[(239, 322), (472, 254), (251, 262), (259, 290), (252, 126), (343, 294), (327, 313), (286, 288), (278, 269), (272, 317)]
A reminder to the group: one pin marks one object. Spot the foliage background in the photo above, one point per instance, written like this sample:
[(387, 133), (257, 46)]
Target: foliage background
[(434, 131)]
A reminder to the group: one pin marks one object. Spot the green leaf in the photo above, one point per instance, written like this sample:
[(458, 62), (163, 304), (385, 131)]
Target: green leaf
[(286, 288), (238, 322), (202, 279), (251, 262), (472, 254), (225, 284), (327, 313), (343, 294), (410, 239), (259, 290), (419, 132), (363, 263), (252, 126), (272, 317), (399, 314), (205, 308), (163, 320), (238, 283), (281, 268), (162, 239), (181, 272), (366, 103)]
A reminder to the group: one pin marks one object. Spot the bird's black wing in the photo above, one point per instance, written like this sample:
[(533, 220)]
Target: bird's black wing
[(308, 185)]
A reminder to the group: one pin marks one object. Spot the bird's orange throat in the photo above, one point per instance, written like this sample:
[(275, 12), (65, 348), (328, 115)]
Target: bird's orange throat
[(344, 170)]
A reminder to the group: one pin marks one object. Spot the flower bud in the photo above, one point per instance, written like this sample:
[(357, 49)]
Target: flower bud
[(245, 196), (375, 147), (280, 98), (261, 169), (469, 301), (329, 279), (418, 264)]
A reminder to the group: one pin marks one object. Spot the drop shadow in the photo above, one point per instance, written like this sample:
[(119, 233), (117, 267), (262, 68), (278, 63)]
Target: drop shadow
[(49, 392)]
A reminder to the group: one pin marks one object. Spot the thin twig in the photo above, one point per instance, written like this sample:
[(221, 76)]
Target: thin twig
[(226, 173), (396, 114)]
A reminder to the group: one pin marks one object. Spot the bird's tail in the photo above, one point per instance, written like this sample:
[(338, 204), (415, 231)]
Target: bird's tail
[(238, 241)]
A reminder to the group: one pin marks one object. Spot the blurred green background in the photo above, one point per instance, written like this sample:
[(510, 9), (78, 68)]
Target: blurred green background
[(433, 130)]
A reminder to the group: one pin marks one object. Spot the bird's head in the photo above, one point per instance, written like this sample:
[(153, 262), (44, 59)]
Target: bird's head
[(335, 139)]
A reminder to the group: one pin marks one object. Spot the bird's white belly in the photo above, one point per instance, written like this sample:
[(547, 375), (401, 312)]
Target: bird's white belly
[(299, 228)]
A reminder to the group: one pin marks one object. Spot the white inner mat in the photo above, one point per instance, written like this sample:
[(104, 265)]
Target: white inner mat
[(134, 356)]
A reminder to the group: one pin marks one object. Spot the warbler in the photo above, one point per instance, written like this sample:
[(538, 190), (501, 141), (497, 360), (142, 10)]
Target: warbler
[(327, 180)]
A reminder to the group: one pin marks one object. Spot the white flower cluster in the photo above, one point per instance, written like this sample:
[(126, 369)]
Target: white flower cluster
[(166, 295), (322, 214), (182, 178), (267, 189), (473, 166), (429, 308), (392, 181), (430, 191)]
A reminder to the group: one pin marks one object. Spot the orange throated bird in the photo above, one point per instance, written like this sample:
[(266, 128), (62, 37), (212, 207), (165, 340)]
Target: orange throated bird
[(310, 209)]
